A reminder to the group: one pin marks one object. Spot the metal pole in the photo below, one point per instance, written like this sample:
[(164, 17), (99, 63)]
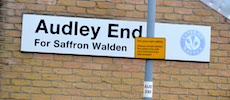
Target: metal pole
[(149, 63)]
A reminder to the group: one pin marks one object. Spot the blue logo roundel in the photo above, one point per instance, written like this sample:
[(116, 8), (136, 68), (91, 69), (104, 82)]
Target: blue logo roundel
[(192, 42)]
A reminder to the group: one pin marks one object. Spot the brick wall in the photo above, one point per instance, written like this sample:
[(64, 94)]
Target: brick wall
[(37, 76)]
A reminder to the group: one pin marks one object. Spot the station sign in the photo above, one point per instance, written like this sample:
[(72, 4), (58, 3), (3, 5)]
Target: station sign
[(113, 38), (80, 36)]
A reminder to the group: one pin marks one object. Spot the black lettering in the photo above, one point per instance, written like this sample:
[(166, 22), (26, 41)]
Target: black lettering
[(52, 29), (112, 47), (69, 27), (41, 26), (95, 33), (76, 26), (138, 31), (56, 43), (36, 42), (122, 32), (84, 30), (112, 30), (96, 45)]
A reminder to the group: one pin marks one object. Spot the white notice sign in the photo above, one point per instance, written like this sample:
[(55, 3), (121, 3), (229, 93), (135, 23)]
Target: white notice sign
[(113, 38), (148, 89), (81, 36)]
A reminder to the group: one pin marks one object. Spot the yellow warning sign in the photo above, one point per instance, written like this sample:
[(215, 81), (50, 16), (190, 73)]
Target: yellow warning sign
[(150, 48)]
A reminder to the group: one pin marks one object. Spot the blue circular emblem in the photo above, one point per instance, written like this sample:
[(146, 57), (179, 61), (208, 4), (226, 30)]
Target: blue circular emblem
[(192, 42)]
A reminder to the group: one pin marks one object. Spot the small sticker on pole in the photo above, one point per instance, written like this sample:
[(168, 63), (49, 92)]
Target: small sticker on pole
[(148, 89)]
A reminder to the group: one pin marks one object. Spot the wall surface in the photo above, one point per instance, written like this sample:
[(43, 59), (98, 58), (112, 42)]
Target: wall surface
[(37, 76)]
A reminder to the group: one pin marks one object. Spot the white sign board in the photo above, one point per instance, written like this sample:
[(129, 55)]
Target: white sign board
[(81, 36), (113, 38)]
